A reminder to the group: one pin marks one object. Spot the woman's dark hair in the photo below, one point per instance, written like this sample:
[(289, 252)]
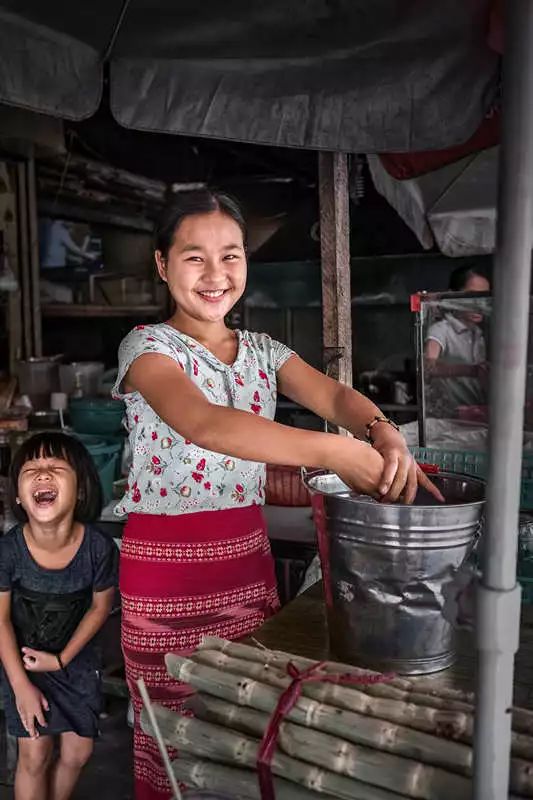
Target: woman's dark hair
[(460, 276), (69, 449), (185, 204)]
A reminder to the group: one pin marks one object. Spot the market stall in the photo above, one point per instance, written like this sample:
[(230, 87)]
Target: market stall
[(499, 596), (497, 629)]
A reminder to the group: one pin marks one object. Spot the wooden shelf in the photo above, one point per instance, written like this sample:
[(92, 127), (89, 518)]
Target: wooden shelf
[(91, 310), (100, 216)]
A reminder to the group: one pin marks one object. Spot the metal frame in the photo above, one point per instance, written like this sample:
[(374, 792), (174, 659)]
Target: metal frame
[(420, 379)]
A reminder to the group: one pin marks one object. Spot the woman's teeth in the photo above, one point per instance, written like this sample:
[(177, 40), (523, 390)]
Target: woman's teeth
[(213, 294)]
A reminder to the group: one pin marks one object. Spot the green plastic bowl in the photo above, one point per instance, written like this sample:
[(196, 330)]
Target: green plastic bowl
[(96, 416)]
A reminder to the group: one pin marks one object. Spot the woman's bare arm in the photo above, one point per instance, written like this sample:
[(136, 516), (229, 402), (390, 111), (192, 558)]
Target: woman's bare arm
[(229, 431), (438, 367)]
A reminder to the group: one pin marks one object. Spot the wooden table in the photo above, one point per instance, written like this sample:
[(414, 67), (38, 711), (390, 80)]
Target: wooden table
[(301, 628)]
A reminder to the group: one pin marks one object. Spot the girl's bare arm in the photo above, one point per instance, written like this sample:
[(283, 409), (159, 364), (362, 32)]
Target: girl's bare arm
[(31, 703), (437, 367), (89, 626), (350, 409), (9, 651), (229, 431), (326, 397), (94, 619)]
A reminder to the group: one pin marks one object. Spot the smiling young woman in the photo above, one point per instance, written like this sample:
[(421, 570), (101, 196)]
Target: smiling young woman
[(201, 401)]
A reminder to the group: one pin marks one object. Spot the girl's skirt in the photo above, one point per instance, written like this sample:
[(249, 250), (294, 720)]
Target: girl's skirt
[(181, 578), (73, 696)]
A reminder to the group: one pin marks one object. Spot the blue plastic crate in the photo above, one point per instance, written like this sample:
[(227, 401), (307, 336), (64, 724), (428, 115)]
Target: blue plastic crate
[(466, 463), (526, 494)]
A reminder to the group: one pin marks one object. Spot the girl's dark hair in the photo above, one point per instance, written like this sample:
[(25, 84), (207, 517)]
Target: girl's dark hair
[(71, 450), (185, 204), (460, 276)]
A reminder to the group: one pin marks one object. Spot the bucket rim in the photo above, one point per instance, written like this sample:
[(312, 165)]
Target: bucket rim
[(308, 476)]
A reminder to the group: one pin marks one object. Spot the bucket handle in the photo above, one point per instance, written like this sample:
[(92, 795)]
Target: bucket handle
[(307, 474)]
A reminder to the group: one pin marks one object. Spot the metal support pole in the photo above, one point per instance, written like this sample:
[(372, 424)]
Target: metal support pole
[(498, 595)]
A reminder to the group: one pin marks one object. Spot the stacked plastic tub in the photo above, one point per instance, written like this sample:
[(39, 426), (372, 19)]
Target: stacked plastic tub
[(106, 453)]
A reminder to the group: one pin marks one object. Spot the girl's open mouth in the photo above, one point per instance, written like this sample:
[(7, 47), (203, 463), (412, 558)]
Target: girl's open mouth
[(45, 497)]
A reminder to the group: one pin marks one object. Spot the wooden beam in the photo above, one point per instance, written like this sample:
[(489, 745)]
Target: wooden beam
[(335, 254)]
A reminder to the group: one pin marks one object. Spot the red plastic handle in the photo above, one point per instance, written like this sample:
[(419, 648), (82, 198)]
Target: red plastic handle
[(429, 469)]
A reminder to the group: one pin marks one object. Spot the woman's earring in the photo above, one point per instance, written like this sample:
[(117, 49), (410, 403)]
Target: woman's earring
[(18, 501)]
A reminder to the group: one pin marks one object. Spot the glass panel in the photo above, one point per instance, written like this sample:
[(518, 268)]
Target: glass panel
[(455, 336)]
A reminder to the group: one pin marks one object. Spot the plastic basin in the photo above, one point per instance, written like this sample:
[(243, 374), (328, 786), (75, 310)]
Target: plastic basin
[(96, 416)]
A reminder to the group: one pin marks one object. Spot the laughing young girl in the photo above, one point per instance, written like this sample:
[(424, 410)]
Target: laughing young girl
[(57, 579)]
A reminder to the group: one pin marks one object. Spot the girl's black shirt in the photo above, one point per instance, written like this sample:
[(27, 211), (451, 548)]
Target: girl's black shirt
[(47, 605)]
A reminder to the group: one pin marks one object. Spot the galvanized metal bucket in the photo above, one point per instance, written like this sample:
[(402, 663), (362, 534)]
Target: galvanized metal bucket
[(386, 569)]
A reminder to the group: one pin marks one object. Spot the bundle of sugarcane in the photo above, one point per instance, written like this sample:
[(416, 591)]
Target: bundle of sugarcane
[(422, 705), (379, 741)]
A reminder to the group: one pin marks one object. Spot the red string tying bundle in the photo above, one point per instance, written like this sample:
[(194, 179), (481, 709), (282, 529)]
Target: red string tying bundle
[(286, 702)]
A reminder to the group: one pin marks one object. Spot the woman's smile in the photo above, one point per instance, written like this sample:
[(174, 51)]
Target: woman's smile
[(212, 295)]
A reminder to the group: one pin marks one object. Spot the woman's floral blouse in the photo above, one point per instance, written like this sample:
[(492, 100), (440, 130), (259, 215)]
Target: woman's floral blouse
[(171, 475)]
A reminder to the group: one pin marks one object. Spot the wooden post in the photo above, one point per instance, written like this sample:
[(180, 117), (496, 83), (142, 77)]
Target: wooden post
[(9, 212), (33, 231), (335, 252), (24, 256)]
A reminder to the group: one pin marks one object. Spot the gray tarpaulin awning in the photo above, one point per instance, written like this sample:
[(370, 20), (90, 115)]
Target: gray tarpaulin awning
[(390, 75)]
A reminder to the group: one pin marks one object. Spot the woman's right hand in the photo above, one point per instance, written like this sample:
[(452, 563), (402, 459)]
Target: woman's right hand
[(357, 464), (31, 705)]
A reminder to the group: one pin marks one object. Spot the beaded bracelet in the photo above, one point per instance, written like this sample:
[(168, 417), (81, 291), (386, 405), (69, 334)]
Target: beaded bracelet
[(375, 421)]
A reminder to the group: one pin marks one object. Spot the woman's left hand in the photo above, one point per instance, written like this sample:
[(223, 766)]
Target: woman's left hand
[(39, 661), (401, 474)]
